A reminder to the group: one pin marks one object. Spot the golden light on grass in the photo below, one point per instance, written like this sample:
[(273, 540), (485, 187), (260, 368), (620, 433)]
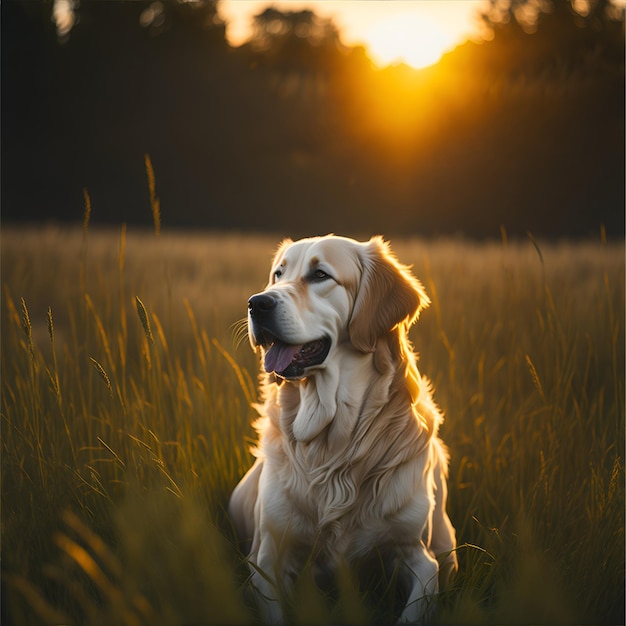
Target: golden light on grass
[(27, 328), (87, 211), (526, 355), (143, 317), (103, 375), (155, 203)]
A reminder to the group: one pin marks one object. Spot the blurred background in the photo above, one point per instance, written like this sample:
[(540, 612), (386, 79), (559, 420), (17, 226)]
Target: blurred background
[(309, 118)]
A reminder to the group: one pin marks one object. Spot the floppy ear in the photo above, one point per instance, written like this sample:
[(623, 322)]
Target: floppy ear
[(388, 294)]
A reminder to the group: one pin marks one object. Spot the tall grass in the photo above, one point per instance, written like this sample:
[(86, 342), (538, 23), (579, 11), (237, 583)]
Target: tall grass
[(126, 422)]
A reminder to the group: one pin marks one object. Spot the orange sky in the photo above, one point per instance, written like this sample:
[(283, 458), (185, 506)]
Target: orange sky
[(417, 32)]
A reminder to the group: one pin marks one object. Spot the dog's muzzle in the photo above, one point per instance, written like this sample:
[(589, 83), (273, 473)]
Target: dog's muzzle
[(288, 360)]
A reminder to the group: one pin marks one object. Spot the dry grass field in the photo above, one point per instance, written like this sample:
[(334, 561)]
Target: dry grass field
[(126, 391)]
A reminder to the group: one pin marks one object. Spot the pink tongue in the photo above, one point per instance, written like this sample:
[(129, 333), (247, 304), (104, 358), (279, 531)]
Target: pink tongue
[(279, 355)]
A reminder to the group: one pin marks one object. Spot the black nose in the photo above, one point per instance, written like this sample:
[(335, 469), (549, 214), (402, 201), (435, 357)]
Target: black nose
[(261, 304)]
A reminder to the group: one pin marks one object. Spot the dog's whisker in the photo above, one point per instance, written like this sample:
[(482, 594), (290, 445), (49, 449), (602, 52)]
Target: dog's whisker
[(239, 330)]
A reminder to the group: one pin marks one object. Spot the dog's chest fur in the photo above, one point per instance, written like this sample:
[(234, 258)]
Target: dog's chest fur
[(346, 486)]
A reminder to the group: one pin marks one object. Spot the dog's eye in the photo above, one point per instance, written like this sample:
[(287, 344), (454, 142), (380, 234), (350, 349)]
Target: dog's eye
[(319, 276), (277, 275)]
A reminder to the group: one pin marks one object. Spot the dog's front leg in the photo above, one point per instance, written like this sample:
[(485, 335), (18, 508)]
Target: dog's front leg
[(422, 569), (264, 582)]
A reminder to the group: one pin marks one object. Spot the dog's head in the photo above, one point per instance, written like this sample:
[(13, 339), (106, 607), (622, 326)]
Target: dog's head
[(329, 292)]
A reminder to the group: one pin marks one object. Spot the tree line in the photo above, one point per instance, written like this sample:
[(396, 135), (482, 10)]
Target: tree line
[(298, 134)]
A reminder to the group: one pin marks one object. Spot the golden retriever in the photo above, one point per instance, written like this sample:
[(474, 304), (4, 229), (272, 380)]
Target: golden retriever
[(348, 463)]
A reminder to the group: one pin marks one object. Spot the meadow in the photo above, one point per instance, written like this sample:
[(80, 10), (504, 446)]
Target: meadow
[(126, 390)]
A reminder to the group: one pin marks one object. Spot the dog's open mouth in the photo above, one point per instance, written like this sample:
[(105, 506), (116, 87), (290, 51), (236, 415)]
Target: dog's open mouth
[(290, 360)]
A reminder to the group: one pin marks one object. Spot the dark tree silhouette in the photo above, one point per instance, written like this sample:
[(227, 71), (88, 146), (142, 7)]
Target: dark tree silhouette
[(289, 29), (527, 15), (294, 40), (294, 132), (568, 31)]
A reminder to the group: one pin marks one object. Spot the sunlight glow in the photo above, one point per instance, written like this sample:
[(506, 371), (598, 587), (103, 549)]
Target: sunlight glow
[(412, 38), (416, 32)]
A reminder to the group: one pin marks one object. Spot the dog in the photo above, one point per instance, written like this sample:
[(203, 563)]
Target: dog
[(349, 467)]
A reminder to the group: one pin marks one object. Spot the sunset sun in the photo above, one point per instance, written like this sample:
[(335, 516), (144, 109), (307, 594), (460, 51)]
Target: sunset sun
[(411, 38)]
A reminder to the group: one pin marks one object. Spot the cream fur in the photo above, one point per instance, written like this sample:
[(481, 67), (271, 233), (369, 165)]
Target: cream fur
[(348, 460)]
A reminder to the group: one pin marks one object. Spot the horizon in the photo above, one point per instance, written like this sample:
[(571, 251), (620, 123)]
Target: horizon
[(385, 28)]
